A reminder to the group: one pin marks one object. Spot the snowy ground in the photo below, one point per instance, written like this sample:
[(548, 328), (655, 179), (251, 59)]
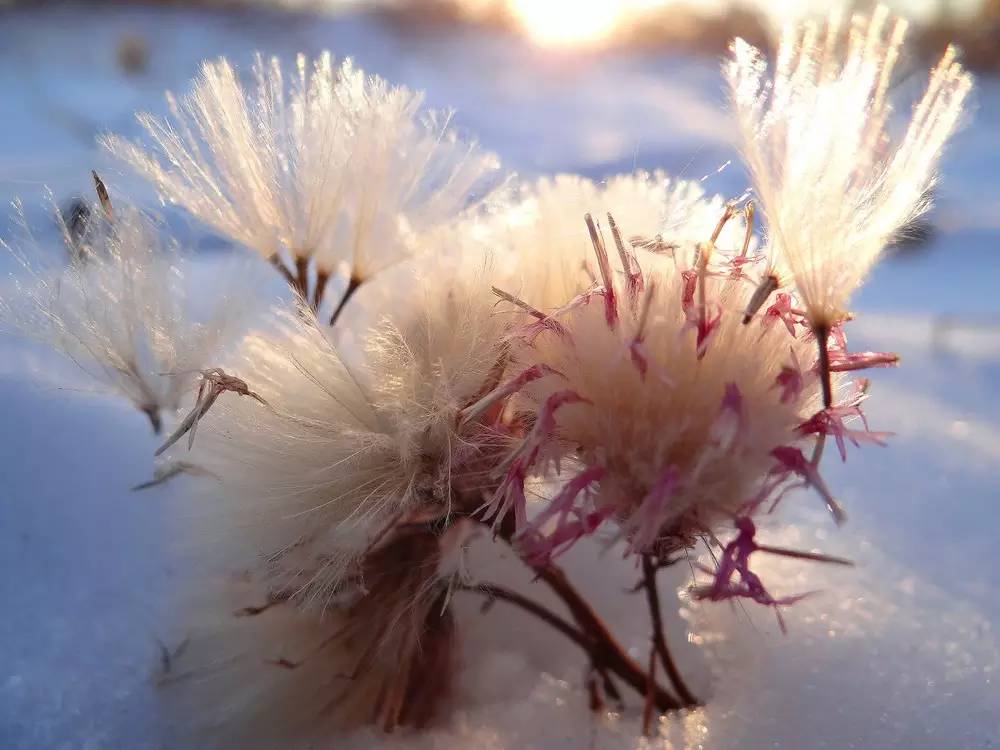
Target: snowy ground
[(899, 652)]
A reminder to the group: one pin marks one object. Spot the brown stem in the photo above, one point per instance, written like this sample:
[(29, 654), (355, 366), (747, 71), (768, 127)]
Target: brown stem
[(302, 276), (647, 709), (822, 333), (499, 593), (659, 640), (322, 277), (703, 257), (748, 212), (582, 640), (153, 413), (352, 287), (606, 652), (594, 692), (279, 264), (610, 689), (723, 220)]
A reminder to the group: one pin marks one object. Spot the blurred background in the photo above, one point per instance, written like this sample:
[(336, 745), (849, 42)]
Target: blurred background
[(593, 87)]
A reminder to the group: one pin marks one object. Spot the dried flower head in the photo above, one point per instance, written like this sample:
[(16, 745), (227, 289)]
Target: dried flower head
[(667, 407), (347, 482), (120, 307), (340, 167), (343, 449), (833, 184)]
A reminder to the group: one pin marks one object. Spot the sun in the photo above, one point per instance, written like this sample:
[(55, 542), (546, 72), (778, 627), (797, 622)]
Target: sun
[(560, 23)]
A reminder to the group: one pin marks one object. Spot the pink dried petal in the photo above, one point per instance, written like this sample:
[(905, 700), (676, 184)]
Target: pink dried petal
[(635, 348), (563, 504), (580, 300), (735, 561), (769, 486), (707, 329), (838, 337), (841, 361), (639, 358), (730, 424), (739, 262), (541, 551), (510, 387), (530, 331), (830, 422), (604, 265), (510, 494), (571, 522), (704, 325), (634, 282), (782, 310), (542, 322), (643, 526), (790, 380), (791, 460)]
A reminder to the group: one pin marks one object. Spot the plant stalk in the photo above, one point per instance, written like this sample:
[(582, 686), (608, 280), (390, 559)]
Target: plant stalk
[(659, 640)]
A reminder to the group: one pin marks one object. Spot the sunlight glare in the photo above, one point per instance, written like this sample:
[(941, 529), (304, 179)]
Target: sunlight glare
[(567, 22)]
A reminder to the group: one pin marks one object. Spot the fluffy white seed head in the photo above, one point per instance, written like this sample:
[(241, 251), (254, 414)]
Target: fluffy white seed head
[(833, 184), (343, 450), (337, 166), (305, 481), (441, 350), (121, 308), (343, 486)]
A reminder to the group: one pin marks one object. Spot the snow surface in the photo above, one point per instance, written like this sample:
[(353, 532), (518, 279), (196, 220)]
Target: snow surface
[(898, 652)]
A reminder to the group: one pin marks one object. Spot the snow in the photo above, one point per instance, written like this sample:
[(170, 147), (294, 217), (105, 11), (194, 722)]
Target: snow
[(896, 652)]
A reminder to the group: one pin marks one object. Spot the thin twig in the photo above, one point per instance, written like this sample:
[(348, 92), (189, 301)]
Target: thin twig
[(494, 592), (647, 709), (322, 277), (822, 333), (352, 287), (279, 264), (659, 640), (607, 653), (802, 555)]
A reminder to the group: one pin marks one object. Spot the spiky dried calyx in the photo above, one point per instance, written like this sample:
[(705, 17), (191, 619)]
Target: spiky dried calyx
[(679, 417)]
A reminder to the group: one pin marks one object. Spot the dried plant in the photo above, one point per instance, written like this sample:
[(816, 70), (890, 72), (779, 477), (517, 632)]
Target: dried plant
[(117, 304), (528, 376), (339, 168), (834, 186)]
